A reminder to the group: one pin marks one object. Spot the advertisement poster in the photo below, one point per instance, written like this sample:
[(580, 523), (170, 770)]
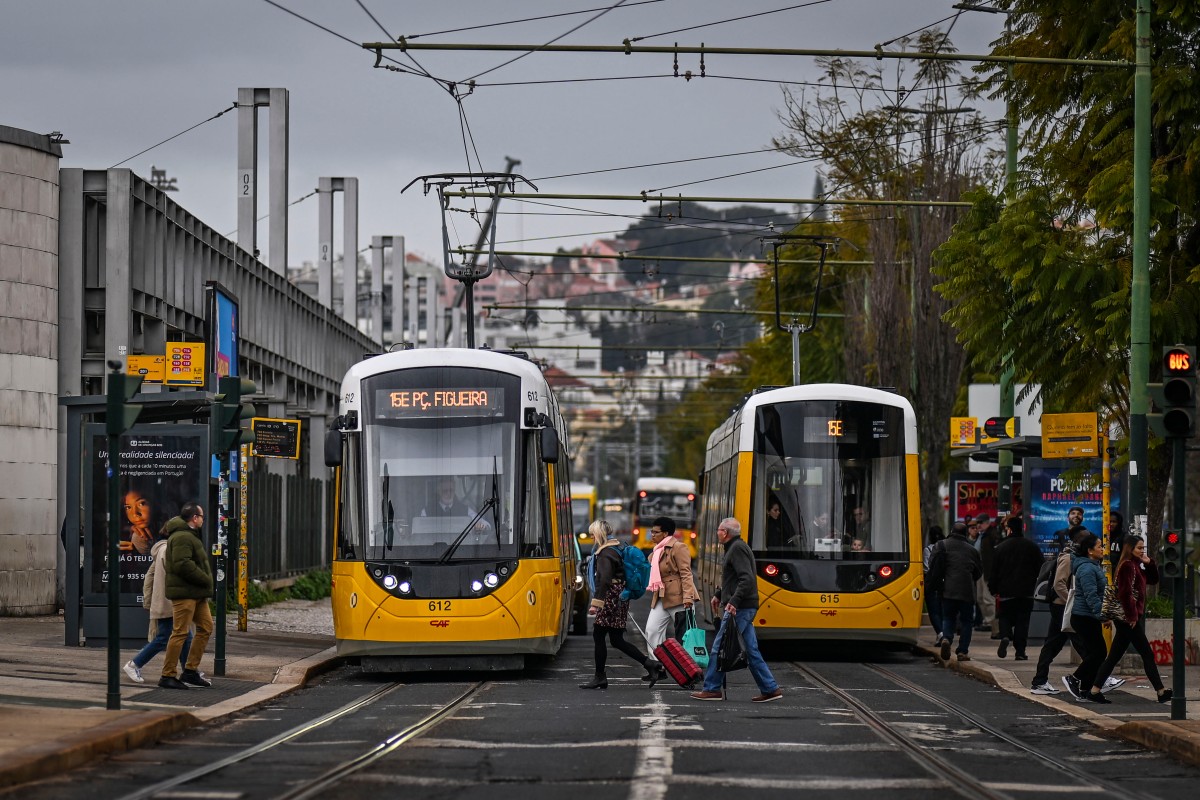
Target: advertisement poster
[(975, 493), (1053, 487), (161, 469)]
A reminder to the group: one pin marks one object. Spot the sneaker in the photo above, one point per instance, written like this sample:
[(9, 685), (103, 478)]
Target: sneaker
[(945, 649), (1020, 657), (1112, 683), (1044, 688), (768, 697), (171, 682), (135, 674), (1002, 650), (705, 695), (1165, 696), (1072, 684), (962, 657), (195, 678), (1097, 697)]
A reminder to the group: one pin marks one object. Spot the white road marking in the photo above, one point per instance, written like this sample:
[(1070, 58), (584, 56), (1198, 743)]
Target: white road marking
[(1041, 787), (184, 794), (652, 773), (811, 783)]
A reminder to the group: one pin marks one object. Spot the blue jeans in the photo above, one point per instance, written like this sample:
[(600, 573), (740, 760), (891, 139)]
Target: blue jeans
[(159, 643), (962, 614), (758, 667)]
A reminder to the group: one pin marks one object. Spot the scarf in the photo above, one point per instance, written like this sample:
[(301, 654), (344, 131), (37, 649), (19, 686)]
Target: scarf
[(655, 570)]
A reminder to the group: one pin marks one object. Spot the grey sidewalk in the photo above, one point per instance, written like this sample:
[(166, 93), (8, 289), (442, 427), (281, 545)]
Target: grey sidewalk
[(52, 697), (1134, 714)]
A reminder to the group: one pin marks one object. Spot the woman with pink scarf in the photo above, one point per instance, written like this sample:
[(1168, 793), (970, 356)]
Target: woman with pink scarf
[(671, 588)]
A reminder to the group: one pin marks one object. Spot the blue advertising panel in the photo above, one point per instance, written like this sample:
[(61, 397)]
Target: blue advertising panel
[(1053, 487), (222, 321)]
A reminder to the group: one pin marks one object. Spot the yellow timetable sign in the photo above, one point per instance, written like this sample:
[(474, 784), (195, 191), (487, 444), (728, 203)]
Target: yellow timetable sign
[(184, 364), (151, 368), (962, 432), (1070, 436)]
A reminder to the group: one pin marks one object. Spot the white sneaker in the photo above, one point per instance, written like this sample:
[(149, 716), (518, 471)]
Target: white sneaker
[(1112, 683), (135, 674), (1044, 688)]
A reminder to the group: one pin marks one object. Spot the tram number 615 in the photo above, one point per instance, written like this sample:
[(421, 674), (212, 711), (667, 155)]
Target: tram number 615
[(831, 599), (439, 605)]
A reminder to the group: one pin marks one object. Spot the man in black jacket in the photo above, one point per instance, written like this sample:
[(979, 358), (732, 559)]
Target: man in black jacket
[(1015, 567), (956, 562), (739, 589)]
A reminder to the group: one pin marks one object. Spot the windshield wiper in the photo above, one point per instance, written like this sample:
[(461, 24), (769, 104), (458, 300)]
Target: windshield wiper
[(489, 503), (495, 500), (389, 513)]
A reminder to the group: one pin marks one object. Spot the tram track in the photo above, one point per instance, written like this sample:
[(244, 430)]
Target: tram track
[(330, 776), (960, 781)]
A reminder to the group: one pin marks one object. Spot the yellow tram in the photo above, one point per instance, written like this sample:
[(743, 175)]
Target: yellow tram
[(453, 540), (824, 480)]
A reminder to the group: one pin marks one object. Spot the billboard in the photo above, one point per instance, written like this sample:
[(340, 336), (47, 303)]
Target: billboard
[(1052, 487), (222, 321), (162, 467), (975, 493)]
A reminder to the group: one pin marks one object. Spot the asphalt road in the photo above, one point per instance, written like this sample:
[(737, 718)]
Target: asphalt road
[(536, 735)]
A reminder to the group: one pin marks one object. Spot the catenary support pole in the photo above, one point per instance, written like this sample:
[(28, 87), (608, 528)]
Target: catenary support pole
[(1139, 323)]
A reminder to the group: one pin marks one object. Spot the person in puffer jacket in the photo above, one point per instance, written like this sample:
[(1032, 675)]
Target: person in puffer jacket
[(1090, 583)]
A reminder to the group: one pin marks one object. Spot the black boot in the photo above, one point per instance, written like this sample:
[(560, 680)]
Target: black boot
[(600, 681), (655, 672)]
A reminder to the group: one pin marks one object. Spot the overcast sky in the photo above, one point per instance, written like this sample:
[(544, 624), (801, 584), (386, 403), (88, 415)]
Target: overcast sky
[(117, 76)]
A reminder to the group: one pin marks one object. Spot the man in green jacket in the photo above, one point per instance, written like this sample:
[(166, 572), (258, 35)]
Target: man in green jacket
[(189, 586)]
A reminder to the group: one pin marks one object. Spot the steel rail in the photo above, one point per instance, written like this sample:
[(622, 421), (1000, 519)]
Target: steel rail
[(331, 777), (967, 784), (979, 722), (263, 746)]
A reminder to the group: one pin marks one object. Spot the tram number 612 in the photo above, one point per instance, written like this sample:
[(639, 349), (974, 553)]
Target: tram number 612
[(439, 605), (828, 599)]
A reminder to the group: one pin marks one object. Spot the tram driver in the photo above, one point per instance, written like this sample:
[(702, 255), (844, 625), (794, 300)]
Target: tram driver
[(447, 504)]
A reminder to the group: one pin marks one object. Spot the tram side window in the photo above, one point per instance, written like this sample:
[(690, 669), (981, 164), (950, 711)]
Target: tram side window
[(350, 524), (536, 538)]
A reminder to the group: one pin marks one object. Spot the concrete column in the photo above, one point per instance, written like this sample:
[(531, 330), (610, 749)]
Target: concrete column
[(350, 250), (278, 190), (377, 259), (398, 261), (70, 343), (431, 314), (325, 192), (247, 177), (118, 313), (414, 309)]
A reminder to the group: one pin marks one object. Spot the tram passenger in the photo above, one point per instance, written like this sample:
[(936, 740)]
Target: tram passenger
[(610, 611), (777, 535), (859, 546), (671, 588)]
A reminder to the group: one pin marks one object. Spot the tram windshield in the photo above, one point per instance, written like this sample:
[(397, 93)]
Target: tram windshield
[(581, 514), (680, 507), (439, 482), (830, 481)]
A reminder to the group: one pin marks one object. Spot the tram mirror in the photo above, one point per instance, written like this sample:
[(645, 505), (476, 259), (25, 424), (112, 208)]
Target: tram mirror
[(333, 449), (549, 445)]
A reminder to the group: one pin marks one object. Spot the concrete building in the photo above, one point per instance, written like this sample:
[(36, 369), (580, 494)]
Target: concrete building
[(28, 371)]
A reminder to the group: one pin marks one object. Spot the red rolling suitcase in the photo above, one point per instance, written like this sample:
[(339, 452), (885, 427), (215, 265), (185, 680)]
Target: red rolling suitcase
[(678, 663)]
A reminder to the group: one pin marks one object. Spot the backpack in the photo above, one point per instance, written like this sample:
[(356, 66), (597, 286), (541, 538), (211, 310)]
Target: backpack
[(637, 572), (1043, 590)]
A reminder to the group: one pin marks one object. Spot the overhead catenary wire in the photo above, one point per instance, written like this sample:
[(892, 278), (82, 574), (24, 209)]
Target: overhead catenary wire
[(219, 114), (410, 37), (727, 21)]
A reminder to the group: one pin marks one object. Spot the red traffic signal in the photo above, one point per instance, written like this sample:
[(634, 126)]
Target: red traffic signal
[(1178, 360), (1172, 537)]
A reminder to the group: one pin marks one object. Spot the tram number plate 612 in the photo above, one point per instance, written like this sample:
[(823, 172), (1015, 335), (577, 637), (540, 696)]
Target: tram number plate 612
[(830, 599), (439, 605)]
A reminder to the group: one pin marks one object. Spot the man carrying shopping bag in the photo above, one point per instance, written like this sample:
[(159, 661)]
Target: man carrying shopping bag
[(739, 591)]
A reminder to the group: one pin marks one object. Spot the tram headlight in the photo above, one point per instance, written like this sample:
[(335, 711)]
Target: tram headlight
[(885, 571), (491, 579), (405, 587), (771, 570), (390, 582), (476, 586)]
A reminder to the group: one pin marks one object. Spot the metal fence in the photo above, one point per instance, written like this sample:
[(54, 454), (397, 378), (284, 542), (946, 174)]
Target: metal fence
[(286, 524)]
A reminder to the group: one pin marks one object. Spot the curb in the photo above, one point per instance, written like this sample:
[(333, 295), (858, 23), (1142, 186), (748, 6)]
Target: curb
[(143, 728), (114, 736), (1166, 737)]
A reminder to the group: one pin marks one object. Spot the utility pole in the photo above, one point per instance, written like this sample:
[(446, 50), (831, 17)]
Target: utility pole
[(1139, 322)]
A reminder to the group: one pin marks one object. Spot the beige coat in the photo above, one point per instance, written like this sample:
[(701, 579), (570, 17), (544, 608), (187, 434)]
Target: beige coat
[(676, 570), (154, 590)]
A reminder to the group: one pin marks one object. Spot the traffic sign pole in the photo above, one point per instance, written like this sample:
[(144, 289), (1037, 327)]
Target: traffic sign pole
[(1179, 584)]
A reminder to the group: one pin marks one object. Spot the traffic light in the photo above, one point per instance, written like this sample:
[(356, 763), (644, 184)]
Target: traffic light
[(229, 413), (1175, 397), (1172, 554), (120, 413), (1002, 427)]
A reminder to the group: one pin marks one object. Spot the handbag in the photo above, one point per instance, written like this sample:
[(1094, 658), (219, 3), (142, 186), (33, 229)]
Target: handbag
[(1067, 609), (732, 655), (694, 640), (1110, 606)]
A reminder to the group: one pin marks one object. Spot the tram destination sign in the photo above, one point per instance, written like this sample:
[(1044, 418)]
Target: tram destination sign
[(276, 438), (483, 401)]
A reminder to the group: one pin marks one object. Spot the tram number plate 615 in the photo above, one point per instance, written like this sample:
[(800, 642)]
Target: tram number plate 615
[(439, 605), (830, 599)]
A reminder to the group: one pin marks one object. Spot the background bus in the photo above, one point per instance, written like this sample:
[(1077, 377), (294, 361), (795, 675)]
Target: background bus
[(664, 497), (583, 513)]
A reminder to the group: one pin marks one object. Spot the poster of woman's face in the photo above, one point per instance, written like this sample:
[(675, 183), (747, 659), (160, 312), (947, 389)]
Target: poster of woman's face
[(158, 474)]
